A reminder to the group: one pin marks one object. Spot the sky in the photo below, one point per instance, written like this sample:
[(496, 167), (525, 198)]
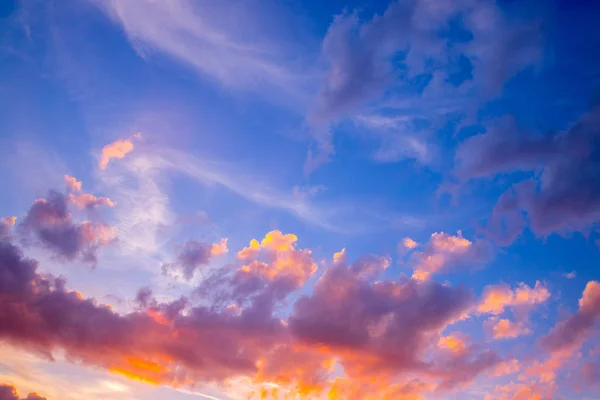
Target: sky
[(261, 199)]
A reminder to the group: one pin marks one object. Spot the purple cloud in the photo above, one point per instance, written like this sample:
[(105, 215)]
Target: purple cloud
[(50, 224), (193, 254), (566, 196), (9, 392)]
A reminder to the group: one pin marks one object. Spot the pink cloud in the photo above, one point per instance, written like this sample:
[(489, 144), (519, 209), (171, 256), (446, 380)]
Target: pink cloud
[(505, 328), (84, 200), (116, 150), (73, 185), (496, 298), (570, 333), (445, 252), (374, 329)]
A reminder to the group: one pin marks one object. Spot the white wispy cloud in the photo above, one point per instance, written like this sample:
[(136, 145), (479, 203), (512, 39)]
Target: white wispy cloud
[(224, 41)]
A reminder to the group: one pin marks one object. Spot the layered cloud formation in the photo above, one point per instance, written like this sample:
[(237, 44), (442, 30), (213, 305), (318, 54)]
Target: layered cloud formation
[(373, 200), (388, 336)]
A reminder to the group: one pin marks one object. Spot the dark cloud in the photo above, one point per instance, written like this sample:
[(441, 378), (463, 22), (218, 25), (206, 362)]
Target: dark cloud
[(9, 392), (50, 224), (382, 329), (373, 328), (566, 196), (190, 257), (157, 344)]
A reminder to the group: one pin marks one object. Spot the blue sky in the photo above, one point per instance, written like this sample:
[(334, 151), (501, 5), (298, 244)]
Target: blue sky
[(470, 127)]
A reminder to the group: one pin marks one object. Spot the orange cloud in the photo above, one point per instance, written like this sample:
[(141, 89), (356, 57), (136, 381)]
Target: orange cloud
[(522, 391), (409, 243), (506, 368), (452, 343), (10, 221), (506, 329), (496, 298), (276, 256), (116, 150), (547, 370), (219, 248), (444, 252)]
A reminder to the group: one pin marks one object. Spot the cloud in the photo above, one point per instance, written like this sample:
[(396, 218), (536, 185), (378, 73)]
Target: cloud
[(158, 344), (569, 334), (368, 59), (9, 392), (409, 243), (522, 391), (591, 374), (452, 343), (6, 225), (382, 329), (50, 224), (73, 185), (373, 328), (265, 274), (570, 275), (193, 254), (496, 298), (565, 198), (116, 150), (84, 200), (445, 252), (332, 216), (214, 40), (505, 328)]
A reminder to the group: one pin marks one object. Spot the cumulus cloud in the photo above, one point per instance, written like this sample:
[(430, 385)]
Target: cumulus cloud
[(266, 272), (373, 328), (116, 150), (505, 329), (565, 198), (445, 252), (157, 344), (384, 328), (84, 200), (496, 298), (9, 392), (194, 254), (50, 224)]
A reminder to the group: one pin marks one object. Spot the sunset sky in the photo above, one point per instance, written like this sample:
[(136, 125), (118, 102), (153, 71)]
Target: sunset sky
[(288, 199)]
